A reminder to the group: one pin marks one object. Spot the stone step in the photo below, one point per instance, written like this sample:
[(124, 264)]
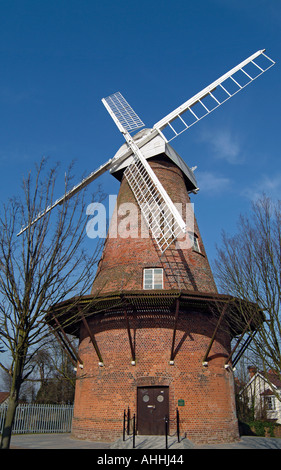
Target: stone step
[(152, 442)]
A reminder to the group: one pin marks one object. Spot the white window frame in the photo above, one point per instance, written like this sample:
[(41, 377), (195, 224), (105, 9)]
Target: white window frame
[(269, 402), (152, 272), (195, 241)]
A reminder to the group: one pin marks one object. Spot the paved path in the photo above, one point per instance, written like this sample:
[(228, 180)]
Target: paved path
[(159, 442), (53, 441), (65, 441)]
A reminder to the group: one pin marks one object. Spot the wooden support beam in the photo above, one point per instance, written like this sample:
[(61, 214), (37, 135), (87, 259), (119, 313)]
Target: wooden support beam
[(172, 357), (76, 355), (65, 347), (92, 337), (133, 353), (239, 340), (243, 348), (205, 358)]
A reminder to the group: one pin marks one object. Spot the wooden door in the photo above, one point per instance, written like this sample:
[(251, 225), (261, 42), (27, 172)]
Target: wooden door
[(153, 407)]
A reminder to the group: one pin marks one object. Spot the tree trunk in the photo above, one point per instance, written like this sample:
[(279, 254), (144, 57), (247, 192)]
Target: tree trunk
[(14, 394), (9, 420)]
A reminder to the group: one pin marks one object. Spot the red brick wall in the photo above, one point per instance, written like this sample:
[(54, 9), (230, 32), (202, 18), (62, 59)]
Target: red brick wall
[(123, 259), (102, 393)]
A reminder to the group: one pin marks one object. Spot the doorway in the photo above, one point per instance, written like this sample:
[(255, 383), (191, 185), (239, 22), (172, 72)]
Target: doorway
[(152, 408)]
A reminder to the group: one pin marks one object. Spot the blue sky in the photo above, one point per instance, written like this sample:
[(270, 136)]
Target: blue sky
[(59, 58)]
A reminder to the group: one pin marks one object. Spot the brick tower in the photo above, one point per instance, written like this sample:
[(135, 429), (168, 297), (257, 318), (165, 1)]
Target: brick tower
[(151, 334)]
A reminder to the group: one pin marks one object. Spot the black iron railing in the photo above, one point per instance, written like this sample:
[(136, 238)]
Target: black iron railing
[(129, 426), (167, 425)]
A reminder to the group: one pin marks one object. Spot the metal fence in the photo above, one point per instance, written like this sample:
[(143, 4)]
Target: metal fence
[(32, 418)]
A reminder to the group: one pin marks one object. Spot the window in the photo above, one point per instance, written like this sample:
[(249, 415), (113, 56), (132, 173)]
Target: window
[(153, 278), (194, 241), (269, 403)]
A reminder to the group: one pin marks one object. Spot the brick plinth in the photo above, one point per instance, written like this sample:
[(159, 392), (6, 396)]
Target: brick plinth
[(102, 393)]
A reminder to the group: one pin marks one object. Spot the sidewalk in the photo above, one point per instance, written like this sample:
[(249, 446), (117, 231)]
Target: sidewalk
[(65, 441), (53, 441)]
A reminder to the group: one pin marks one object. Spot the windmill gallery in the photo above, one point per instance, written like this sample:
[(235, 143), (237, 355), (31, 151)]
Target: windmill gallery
[(155, 336)]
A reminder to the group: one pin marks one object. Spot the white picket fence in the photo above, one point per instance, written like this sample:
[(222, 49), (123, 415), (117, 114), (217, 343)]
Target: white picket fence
[(32, 418)]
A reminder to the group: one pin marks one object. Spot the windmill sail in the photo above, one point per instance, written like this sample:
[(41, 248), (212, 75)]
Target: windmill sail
[(158, 210), (213, 96), (121, 112), (92, 176), (149, 192), (160, 215)]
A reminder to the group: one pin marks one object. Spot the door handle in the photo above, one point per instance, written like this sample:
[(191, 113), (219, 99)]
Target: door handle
[(150, 406)]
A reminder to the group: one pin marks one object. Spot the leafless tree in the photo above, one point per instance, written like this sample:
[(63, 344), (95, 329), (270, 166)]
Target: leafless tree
[(248, 266), (47, 263), (54, 374)]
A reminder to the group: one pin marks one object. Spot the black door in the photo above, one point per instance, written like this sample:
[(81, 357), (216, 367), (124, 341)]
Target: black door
[(153, 407)]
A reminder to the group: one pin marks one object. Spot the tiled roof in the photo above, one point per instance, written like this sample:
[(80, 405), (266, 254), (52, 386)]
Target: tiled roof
[(3, 396), (272, 377)]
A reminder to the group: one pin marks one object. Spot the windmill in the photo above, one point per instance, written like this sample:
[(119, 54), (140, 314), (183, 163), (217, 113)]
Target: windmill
[(154, 334), (149, 193)]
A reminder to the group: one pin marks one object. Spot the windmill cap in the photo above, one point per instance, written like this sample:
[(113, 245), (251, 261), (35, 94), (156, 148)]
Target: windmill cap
[(156, 146)]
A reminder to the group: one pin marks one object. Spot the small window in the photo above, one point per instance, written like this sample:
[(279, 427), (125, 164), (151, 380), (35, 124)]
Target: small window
[(194, 242), (153, 278), (269, 403)]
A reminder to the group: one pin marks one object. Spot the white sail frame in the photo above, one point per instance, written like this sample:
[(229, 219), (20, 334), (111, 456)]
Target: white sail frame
[(127, 121), (209, 92)]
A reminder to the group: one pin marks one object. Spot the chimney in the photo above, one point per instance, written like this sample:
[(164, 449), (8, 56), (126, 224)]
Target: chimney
[(252, 370)]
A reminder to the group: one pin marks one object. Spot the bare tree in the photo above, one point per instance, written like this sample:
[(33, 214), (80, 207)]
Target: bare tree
[(55, 373), (43, 266), (248, 266)]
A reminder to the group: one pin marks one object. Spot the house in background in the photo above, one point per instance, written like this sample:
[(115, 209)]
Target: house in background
[(263, 392), (4, 398)]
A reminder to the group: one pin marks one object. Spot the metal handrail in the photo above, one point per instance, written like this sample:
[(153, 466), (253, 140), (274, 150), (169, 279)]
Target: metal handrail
[(167, 422), (134, 431), (126, 426), (178, 425)]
